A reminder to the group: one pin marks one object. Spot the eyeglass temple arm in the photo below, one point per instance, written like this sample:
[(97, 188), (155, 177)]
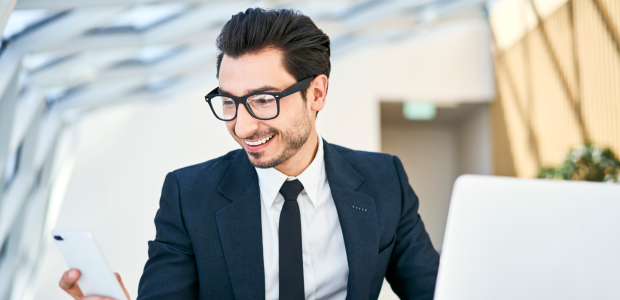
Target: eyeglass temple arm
[(297, 87)]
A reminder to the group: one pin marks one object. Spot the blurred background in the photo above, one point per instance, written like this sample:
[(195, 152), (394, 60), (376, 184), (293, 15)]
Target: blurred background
[(99, 99)]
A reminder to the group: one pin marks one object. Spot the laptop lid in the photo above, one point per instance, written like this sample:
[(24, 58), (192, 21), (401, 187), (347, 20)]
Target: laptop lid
[(509, 238)]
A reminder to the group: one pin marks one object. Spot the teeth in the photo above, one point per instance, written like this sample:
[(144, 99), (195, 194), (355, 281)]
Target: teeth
[(259, 142)]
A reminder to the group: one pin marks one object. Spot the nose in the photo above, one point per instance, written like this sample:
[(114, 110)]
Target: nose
[(246, 123)]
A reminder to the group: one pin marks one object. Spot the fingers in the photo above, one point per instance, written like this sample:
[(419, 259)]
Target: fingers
[(118, 276), (68, 282)]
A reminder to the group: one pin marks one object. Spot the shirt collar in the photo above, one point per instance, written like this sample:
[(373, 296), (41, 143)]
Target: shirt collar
[(270, 180)]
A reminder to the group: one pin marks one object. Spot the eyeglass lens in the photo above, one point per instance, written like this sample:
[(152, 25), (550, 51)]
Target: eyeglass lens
[(262, 106)]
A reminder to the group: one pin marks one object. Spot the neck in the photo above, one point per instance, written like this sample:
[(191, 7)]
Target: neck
[(302, 159)]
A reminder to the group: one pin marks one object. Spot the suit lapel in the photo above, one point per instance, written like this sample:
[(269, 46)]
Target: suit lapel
[(358, 218), (239, 226)]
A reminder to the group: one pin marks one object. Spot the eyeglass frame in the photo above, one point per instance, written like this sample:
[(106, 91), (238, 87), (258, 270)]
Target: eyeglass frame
[(297, 87)]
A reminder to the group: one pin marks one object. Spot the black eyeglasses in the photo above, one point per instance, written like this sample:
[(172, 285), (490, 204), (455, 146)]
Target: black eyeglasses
[(263, 106)]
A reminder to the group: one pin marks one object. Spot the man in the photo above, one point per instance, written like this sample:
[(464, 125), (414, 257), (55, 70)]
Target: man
[(289, 216)]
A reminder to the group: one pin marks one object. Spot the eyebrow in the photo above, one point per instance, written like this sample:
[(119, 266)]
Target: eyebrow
[(262, 89)]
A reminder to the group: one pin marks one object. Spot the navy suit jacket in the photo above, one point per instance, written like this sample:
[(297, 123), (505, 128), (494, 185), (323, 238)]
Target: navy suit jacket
[(209, 239)]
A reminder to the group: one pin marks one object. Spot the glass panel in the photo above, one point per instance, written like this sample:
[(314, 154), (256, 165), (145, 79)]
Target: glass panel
[(20, 20), (34, 62), (145, 16), (263, 106), (224, 107), (155, 53)]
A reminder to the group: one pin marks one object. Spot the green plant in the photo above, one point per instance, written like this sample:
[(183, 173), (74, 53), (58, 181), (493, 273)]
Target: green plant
[(587, 163)]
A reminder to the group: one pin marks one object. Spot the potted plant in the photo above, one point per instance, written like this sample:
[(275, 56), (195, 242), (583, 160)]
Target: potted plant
[(587, 163)]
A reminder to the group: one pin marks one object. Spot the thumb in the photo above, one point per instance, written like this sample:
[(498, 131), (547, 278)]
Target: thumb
[(68, 282), (118, 276)]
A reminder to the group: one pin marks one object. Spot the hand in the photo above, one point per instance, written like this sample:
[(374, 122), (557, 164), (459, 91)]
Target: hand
[(68, 282)]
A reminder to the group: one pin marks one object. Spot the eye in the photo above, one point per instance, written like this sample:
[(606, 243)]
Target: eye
[(228, 102), (262, 100)]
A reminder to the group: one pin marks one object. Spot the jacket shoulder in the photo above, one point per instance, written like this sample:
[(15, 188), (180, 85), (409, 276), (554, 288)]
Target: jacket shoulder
[(210, 169), (366, 159), (379, 170)]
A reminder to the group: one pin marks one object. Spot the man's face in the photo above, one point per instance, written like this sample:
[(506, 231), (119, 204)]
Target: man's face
[(267, 142)]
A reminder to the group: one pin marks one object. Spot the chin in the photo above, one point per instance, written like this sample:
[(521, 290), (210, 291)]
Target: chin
[(261, 164), (259, 160)]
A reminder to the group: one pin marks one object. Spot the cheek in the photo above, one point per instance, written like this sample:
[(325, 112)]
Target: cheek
[(292, 124), (294, 108), (230, 125)]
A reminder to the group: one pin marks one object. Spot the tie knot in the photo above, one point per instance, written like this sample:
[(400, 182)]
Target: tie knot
[(291, 189)]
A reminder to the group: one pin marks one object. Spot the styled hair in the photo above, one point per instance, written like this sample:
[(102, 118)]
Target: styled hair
[(305, 47)]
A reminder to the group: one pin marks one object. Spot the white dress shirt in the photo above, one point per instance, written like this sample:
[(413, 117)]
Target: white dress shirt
[(324, 257)]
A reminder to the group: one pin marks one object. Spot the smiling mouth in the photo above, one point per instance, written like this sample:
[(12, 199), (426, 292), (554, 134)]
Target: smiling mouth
[(258, 142)]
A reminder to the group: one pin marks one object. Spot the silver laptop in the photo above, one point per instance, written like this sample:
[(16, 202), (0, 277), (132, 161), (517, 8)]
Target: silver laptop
[(509, 238)]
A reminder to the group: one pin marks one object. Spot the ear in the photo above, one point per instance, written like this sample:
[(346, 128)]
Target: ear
[(317, 93)]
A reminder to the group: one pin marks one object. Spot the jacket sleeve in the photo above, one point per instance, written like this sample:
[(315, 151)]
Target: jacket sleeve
[(170, 272), (412, 270)]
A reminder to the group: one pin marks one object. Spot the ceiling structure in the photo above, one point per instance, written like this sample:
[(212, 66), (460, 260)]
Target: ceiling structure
[(82, 54), (60, 59)]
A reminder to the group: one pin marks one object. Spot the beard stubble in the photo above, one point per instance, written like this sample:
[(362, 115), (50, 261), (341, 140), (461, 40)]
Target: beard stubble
[(293, 138)]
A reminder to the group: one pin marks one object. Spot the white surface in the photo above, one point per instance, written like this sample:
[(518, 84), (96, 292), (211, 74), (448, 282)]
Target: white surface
[(80, 251), (511, 238)]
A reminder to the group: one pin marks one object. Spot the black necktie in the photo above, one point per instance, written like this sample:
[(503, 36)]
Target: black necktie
[(291, 259)]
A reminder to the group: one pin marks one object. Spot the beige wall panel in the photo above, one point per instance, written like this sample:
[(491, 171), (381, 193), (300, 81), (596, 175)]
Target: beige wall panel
[(613, 7), (584, 18), (600, 76), (552, 115), (516, 127), (517, 73), (503, 158), (558, 27), (534, 116)]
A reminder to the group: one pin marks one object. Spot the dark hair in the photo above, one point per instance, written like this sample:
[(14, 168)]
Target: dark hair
[(305, 47)]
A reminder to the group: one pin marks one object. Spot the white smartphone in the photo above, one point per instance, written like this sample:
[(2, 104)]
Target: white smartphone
[(80, 251)]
